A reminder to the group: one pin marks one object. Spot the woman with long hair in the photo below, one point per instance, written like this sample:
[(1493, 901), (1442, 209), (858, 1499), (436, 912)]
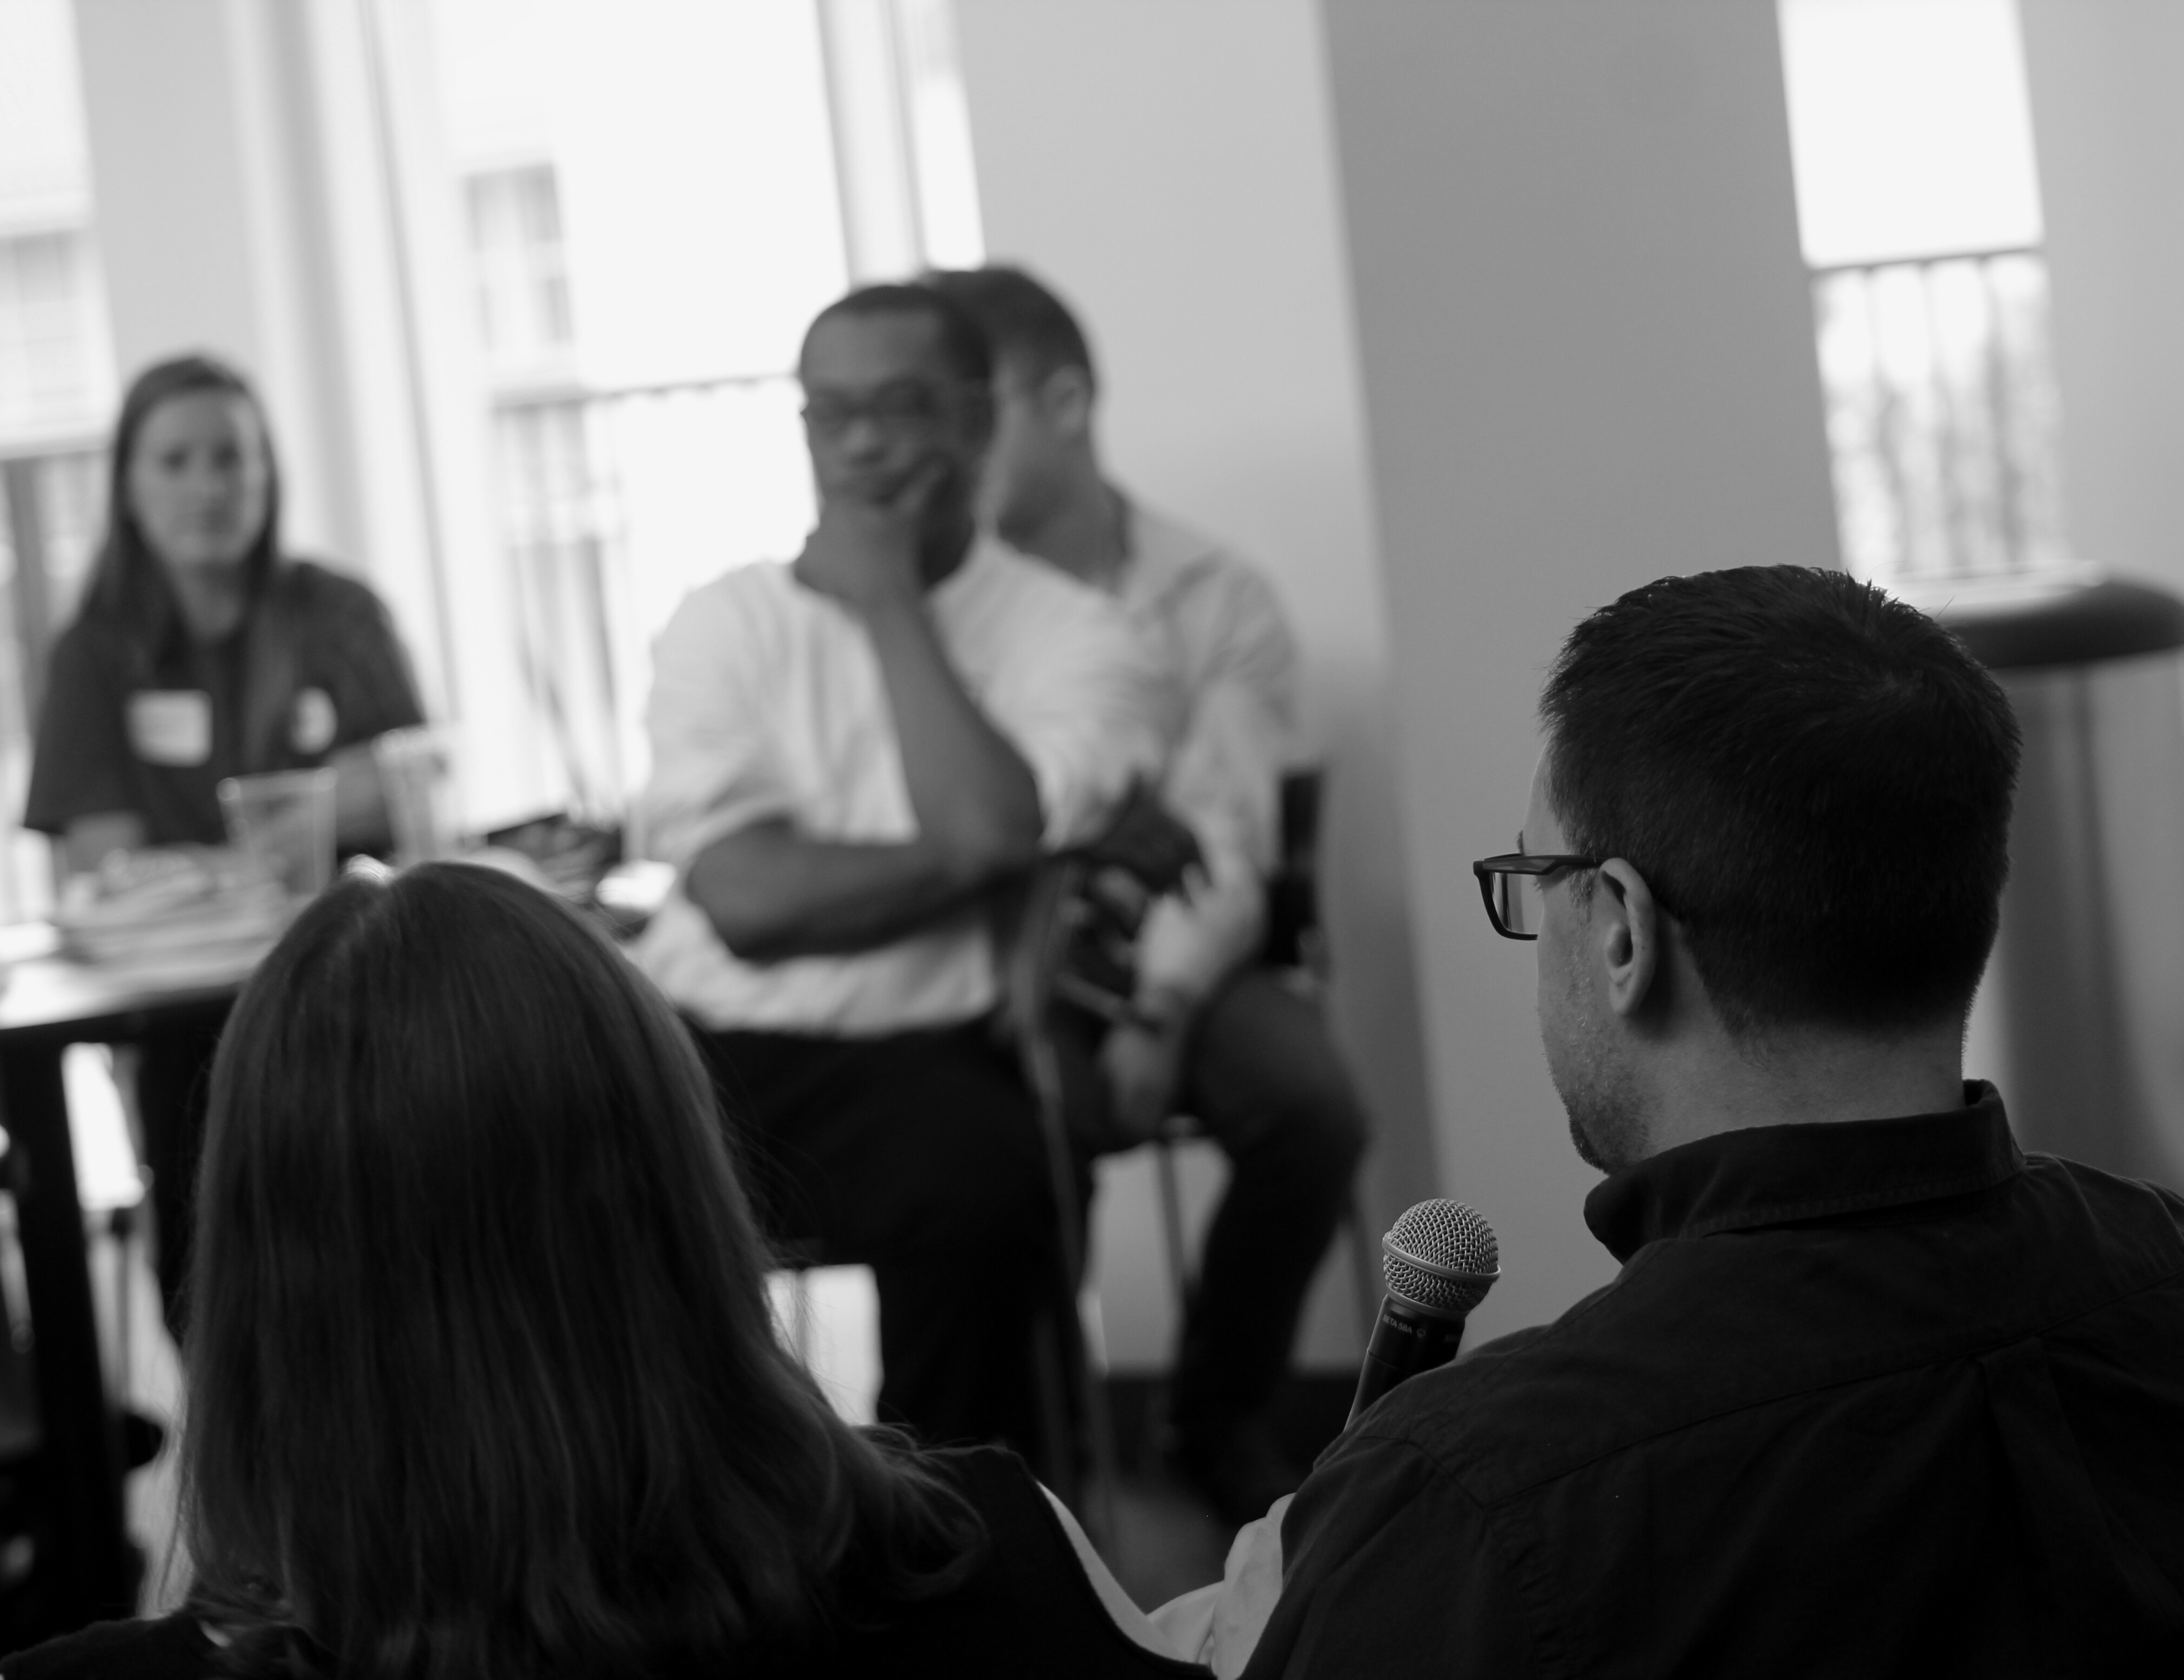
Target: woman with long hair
[(201, 650), (482, 1376)]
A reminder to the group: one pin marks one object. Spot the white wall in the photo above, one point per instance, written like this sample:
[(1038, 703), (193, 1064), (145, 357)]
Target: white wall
[(197, 211), (1588, 361), (2109, 125)]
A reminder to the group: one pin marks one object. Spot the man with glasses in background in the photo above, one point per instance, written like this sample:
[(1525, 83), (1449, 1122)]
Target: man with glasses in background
[(1212, 1031), (1873, 1392), (853, 752)]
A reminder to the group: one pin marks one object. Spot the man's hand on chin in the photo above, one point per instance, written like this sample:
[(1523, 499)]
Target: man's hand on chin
[(864, 551)]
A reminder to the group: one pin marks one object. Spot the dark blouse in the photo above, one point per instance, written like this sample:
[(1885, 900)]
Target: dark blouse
[(315, 667), (1029, 1609)]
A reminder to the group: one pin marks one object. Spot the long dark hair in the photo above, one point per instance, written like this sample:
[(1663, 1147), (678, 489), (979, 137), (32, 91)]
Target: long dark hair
[(127, 582), (484, 1380)]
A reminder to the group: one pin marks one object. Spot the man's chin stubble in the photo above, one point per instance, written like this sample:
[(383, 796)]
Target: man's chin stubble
[(1583, 1144), (1606, 1131)]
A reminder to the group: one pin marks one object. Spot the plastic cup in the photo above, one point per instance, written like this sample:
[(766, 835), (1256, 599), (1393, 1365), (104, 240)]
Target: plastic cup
[(416, 779), (285, 818)]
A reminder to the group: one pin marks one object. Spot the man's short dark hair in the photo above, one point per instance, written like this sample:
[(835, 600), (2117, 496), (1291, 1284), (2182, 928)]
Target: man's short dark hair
[(1020, 317), (1813, 778), (962, 342)]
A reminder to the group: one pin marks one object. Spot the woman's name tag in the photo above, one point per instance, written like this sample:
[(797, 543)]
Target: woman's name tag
[(312, 725), (171, 725)]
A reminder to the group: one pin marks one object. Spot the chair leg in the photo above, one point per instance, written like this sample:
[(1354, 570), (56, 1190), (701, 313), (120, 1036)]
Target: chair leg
[(1068, 1354), (1182, 1274)]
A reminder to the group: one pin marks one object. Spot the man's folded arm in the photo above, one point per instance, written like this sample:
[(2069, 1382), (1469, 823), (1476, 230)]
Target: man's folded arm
[(719, 805), (772, 893), (976, 799)]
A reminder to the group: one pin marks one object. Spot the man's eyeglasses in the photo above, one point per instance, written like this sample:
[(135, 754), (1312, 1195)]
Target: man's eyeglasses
[(1511, 884), (892, 410)]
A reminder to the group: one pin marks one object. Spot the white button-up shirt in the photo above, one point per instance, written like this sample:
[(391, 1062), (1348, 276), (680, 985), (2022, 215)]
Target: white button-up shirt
[(1216, 628), (767, 701)]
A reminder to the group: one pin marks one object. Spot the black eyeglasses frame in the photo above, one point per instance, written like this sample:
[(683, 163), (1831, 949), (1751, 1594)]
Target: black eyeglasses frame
[(1522, 863)]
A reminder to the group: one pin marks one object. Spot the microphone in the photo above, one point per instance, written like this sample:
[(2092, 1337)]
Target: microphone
[(1439, 1260)]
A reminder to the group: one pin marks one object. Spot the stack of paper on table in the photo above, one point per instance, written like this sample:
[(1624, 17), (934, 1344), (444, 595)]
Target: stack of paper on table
[(179, 914)]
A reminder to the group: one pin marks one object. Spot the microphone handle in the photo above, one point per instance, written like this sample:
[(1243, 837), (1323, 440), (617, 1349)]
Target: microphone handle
[(1407, 1339)]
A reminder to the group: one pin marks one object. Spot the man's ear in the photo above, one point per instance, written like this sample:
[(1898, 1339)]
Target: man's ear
[(1626, 927), (1065, 396)]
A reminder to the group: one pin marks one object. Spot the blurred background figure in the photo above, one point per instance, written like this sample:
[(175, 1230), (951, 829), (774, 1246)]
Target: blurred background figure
[(484, 1379), (202, 651), (1212, 1031), (856, 756)]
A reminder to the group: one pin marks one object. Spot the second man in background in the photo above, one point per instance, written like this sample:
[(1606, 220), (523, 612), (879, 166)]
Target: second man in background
[(1216, 1033)]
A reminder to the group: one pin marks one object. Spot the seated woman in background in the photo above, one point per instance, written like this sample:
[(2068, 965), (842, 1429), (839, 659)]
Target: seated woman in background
[(482, 1375), (202, 651)]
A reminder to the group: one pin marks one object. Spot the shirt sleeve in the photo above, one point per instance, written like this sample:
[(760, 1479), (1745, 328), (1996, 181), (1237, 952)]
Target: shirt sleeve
[(1224, 778), (83, 765), (1389, 1568), (367, 668), (715, 768), (1090, 712)]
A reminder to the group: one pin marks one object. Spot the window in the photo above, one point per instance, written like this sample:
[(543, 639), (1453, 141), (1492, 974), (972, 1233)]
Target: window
[(522, 281), (659, 199), (56, 394), (1918, 208), (49, 365)]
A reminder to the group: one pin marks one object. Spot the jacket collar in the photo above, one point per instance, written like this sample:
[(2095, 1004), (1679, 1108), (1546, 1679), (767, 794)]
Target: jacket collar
[(1777, 1175)]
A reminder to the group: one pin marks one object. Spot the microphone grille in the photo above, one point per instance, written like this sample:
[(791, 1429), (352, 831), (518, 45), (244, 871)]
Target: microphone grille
[(1442, 1256)]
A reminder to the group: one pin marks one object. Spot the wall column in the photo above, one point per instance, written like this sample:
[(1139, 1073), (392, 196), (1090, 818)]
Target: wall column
[(1588, 361), (2109, 129)]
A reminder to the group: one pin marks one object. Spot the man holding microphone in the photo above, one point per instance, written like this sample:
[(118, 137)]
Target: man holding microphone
[(1873, 1392)]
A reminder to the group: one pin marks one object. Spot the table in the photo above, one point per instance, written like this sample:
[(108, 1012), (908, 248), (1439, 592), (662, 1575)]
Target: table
[(49, 1004)]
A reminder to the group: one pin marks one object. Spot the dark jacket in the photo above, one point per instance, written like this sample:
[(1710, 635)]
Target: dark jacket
[(1882, 1398)]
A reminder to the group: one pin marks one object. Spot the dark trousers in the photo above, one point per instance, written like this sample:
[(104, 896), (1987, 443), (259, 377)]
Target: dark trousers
[(1261, 1076), (918, 1154)]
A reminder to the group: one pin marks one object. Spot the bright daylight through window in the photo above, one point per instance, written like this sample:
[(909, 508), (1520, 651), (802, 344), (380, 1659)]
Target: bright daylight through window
[(1919, 206), (648, 199), (655, 198)]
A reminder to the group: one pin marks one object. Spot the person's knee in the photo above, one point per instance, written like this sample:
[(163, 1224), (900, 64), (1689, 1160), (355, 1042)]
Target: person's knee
[(1316, 1122)]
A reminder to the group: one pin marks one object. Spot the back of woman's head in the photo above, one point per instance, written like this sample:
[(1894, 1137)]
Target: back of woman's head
[(482, 1376), (127, 580)]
